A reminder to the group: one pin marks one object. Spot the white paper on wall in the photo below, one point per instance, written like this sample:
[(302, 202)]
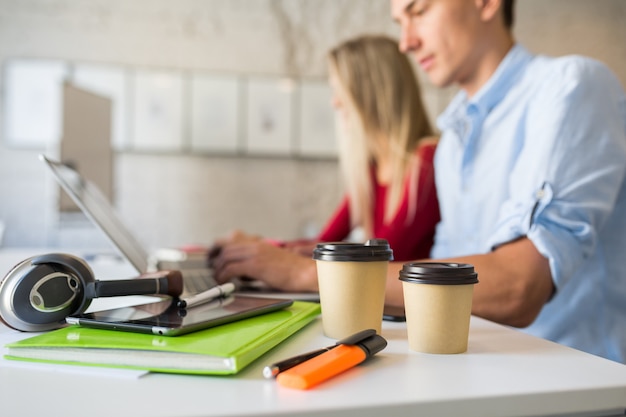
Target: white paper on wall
[(215, 111), (269, 116), (157, 111), (32, 102)]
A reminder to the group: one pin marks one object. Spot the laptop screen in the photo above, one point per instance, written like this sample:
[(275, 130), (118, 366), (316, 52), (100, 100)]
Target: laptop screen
[(97, 208)]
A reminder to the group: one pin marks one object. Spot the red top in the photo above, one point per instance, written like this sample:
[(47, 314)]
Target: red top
[(409, 240)]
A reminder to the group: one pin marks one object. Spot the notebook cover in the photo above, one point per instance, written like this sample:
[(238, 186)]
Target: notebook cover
[(220, 350)]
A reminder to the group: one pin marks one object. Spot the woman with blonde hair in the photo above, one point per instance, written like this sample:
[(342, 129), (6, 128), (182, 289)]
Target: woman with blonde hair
[(386, 155), (386, 148)]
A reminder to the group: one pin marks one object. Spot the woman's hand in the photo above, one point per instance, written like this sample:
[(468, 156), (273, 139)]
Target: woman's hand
[(243, 255)]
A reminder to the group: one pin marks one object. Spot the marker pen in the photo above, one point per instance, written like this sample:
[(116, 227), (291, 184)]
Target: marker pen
[(271, 371), (331, 363)]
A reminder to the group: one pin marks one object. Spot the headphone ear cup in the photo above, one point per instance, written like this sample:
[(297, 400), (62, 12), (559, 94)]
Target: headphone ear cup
[(40, 292), (80, 278)]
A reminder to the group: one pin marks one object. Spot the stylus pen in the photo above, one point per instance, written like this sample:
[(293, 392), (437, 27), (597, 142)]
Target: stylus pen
[(206, 296)]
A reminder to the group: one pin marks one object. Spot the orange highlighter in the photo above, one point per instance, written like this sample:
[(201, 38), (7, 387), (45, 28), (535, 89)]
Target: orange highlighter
[(349, 352)]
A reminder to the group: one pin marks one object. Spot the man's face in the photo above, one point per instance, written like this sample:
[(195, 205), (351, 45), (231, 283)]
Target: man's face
[(442, 36)]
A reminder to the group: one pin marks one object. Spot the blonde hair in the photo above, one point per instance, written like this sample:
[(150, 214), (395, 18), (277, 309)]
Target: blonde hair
[(380, 94)]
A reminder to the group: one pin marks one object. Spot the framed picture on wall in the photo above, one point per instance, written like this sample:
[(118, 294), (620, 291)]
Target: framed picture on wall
[(215, 113), (157, 110), (33, 102), (269, 111)]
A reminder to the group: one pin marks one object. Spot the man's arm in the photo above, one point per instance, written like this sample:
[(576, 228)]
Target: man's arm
[(514, 283)]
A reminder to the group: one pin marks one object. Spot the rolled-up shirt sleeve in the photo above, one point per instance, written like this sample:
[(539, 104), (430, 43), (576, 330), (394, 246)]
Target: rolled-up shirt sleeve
[(568, 175)]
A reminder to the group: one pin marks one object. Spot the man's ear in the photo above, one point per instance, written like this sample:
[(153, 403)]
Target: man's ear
[(489, 9)]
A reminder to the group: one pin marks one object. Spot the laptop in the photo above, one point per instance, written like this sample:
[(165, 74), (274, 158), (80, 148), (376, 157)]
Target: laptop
[(197, 277)]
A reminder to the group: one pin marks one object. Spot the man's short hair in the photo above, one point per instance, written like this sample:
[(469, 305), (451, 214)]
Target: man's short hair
[(508, 7)]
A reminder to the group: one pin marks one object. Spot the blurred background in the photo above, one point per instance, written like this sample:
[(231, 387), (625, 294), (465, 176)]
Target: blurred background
[(214, 114)]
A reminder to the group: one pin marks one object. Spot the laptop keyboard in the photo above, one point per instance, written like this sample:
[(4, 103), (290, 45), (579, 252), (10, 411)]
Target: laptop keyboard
[(197, 280)]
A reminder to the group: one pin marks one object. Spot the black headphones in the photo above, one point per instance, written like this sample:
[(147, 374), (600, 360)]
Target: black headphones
[(40, 292)]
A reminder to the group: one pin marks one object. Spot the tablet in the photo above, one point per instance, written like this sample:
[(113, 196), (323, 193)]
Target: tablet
[(166, 319)]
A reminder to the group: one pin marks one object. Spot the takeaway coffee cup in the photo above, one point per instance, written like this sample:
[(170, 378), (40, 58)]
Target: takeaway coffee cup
[(438, 305), (352, 278)]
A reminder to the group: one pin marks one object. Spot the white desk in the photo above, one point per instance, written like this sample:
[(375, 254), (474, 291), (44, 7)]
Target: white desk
[(504, 373)]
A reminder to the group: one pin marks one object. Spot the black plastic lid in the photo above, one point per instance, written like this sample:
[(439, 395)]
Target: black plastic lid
[(441, 273), (371, 251)]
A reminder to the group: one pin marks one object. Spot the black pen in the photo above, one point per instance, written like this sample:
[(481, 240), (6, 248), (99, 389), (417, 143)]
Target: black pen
[(271, 371)]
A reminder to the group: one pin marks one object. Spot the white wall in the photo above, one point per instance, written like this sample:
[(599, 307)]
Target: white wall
[(170, 199)]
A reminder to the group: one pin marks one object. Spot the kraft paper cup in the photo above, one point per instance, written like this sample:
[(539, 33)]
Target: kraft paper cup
[(438, 305), (352, 280)]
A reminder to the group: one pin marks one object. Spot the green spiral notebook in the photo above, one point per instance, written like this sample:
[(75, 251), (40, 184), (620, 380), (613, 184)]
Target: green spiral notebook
[(220, 350)]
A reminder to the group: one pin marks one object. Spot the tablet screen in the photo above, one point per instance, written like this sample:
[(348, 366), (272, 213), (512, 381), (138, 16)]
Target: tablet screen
[(165, 318)]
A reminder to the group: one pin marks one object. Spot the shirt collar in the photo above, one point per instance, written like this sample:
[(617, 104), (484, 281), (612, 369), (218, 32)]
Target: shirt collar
[(490, 94)]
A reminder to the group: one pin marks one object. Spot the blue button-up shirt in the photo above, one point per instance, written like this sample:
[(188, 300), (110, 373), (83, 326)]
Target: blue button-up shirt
[(540, 151)]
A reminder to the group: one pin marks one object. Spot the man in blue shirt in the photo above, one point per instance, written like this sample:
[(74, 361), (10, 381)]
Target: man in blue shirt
[(530, 175)]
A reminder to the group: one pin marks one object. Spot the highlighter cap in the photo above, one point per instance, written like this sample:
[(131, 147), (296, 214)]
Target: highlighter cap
[(372, 345)]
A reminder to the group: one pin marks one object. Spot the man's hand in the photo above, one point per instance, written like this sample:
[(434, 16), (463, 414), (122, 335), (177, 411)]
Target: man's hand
[(514, 283)]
